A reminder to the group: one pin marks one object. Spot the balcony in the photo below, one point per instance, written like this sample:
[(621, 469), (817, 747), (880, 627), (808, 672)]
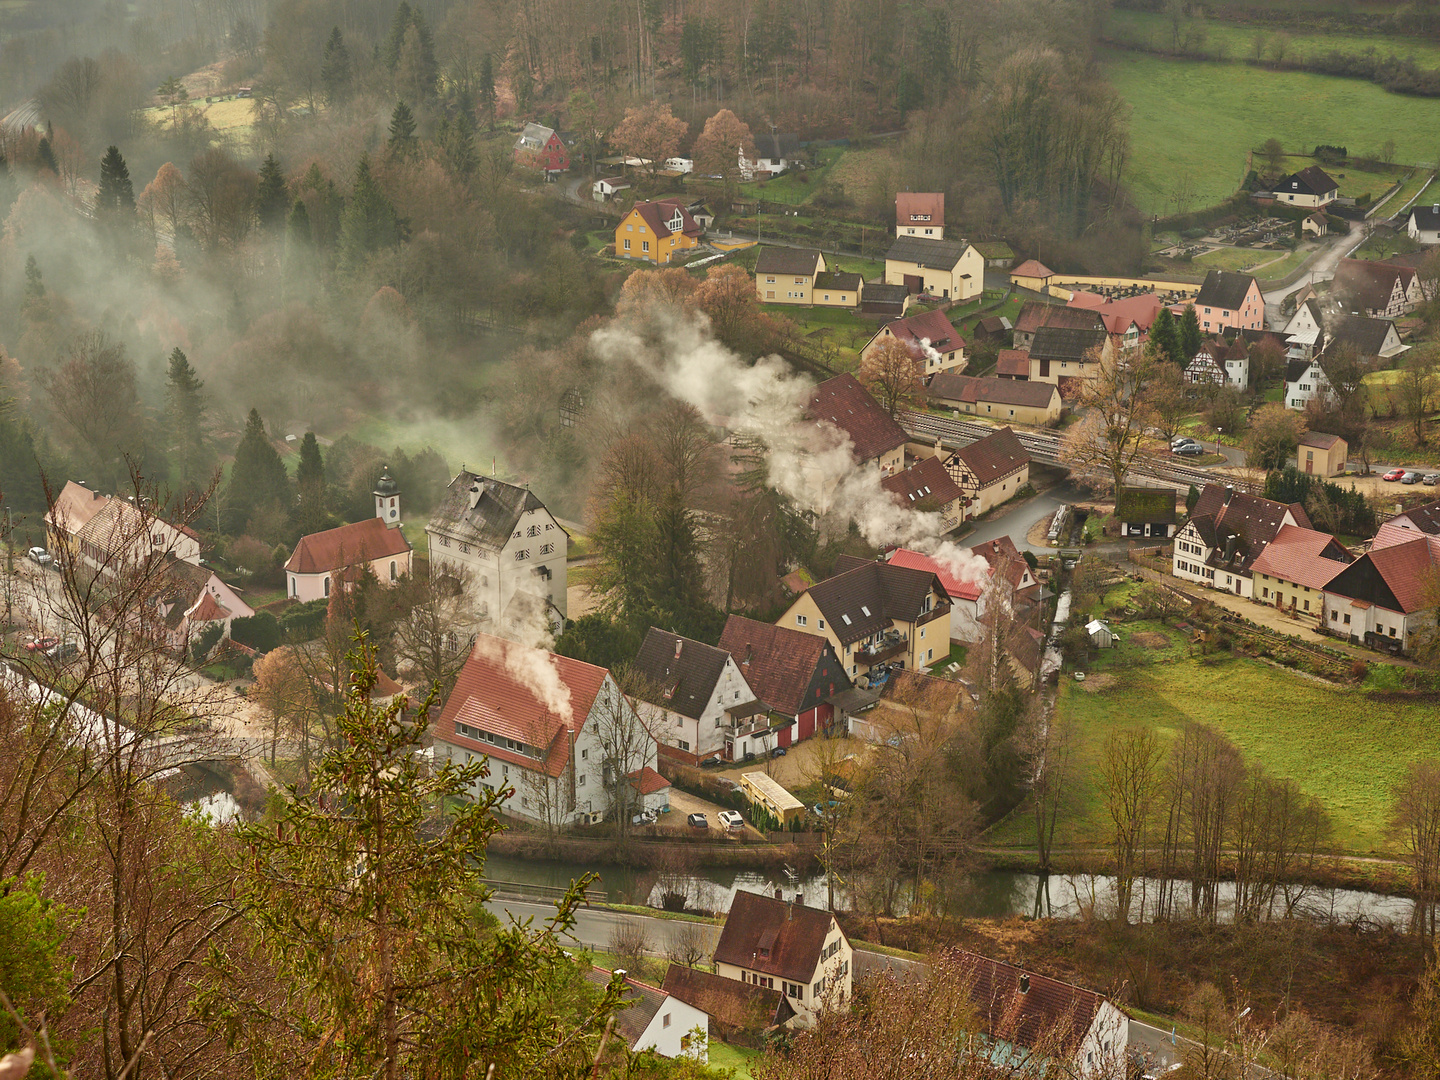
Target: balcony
[(891, 643), (933, 614)]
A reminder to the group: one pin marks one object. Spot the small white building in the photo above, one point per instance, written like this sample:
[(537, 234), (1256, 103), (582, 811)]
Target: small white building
[(607, 187), (680, 164), (1101, 635), (376, 544), (651, 1019), (1304, 379), (773, 154), (1424, 224)]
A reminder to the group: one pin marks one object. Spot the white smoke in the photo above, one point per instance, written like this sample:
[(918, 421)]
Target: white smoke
[(962, 564), (809, 462), (931, 353), (529, 660)]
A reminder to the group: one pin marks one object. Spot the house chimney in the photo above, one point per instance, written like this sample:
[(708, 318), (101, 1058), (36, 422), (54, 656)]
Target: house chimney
[(1024, 984), (779, 895), (749, 653), (475, 491), (800, 899), (679, 643), (1229, 493)]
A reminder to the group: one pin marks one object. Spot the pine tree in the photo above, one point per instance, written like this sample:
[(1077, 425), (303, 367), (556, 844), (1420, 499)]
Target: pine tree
[(1190, 336), (485, 91), (185, 412), (116, 195), (417, 71), (310, 513), (335, 69), (368, 223), (395, 40), (257, 478), (7, 187), (271, 197), (297, 226), (34, 281), (1166, 335), (457, 139), (45, 156), (402, 142)]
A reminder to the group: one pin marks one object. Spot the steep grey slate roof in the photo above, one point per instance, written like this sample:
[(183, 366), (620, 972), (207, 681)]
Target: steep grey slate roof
[(491, 522), (934, 254), (1225, 289), (683, 684)]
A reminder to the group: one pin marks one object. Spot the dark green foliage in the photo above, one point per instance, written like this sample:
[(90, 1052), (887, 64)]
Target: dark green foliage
[(1330, 507), (402, 143), (310, 514), (45, 156), (1191, 498), (390, 51), (598, 640), (297, 227), (1190, 337), (1165, 336), (258, 480), (260, 631), (352, 467), (185, 414), (457, 139), (116, 195), (304, 622), (271, 198), (368, 223), (485, 89), (34, 971), (205, 640), (34, 280), (335, 69)]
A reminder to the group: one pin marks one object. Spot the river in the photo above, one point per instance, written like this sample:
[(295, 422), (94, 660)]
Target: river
[(992, 893)]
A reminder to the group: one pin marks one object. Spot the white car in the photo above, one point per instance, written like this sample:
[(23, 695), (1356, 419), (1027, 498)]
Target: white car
[(40, 555), (731, 819)]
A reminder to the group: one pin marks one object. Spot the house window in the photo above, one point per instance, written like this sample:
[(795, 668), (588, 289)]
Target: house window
[(822, 627), (665, 1020), (627, 243), (327, 586), (522, 554), (392, 570), (547, 549), (464, 549), (683, 745), (1392, 631), (444, 541), (645, 246), (795, 990), (801, 620), (580, 780), (584, 755), (1334, 615)]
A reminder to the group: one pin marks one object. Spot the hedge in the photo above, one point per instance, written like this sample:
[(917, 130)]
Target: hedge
[(260, 631), (304, 622)]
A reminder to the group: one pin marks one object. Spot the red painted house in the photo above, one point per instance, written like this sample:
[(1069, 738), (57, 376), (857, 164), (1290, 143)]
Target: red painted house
[(540, 147), (797, 675)]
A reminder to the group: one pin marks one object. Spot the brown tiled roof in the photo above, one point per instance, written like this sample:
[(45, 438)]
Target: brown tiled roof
[(1253, 521), (1392, 577), (1067, 342), (1014, 362), (682, 683), (348, 545), (74, 507), (930, 326), (788, 260), (658, 214), (207, 609), (1319, 440), (947, 386), (641, 1002), (1312, 180), (1302, 556), (773, 936), (845, 403), (1364, 284), (839, 281), (920, 208), (926, 479), (1425, 518), (995, 456), (1365, 335), (730, 1003), (859, 602), (922, 251), (493, 694), (1032, 268), (777, 662), (1225, 289), (1043, 1010), (1037, 313)]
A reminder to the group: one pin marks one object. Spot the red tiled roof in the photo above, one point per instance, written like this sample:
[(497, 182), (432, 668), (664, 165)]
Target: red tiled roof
[(1037, 313), (647, 781), (729, 1002), (967, 588), (1405, 568), (1032, 268), (207, 609), (843, 402), (996, 455), (920, 208), (348, 545), (1014, 362), (773, 936), (1302, 556), (1046, 1008), (926, 479), (497, 692), (781, 662), (930, 326)]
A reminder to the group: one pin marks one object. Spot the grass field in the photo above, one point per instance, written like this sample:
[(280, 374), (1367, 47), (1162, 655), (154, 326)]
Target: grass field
[(1235, 258), (1418, 181), (1199, 119), (724, 1056), (1341, 746), (795, 188)]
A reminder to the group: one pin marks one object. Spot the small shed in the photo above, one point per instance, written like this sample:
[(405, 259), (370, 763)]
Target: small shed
[(993, 327), (1315, 224), (1322, 455), (1146, 511), (1100, 634), (889, 301), (763, 791)]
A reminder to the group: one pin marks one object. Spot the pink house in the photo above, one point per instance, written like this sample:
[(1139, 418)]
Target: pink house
[(1229, 298)]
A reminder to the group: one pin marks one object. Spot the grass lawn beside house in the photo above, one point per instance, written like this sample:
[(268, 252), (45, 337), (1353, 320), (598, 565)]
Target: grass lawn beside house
[(724, 1056)]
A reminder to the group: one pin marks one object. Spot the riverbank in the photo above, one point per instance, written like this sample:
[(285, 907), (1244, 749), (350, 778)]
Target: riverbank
[(635, 854)]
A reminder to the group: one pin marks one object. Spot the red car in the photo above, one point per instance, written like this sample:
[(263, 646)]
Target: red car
[(42, 644), (1393, 474)]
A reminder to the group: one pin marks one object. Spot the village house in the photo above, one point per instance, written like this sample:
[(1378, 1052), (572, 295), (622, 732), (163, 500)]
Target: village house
[(886, 301), (876, 440), (742, 1013), (1315, 225), (1067, 357), (1380, 290), (606, 188), (1012, 364), (785, 275), (769, 796), (873, 613), (990, 470), (1309, 187), (836, 289), (1024, 1015), (1380, 599), (1424, 224), (559, 734), (1304, 333), (1227, 531), (795, 673), (1146, 512), (1013, 401), (656, 232), (540, 147), (1295, 568), (1220, 362), (926, 486), (931, 340), (505, 549), (693, 695), (1369, 339), (1033, 275), (1228, 298), (1322, 455), (784, 945), (111, 535), (650, 1018), (1419, 521), (193, 598), (920, 213), (323, 560), (967, 583), (773, 154), (1036, 313), (1127, 320), (949, 269)]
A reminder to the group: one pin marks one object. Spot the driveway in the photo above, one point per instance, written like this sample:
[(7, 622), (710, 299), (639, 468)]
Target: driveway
[(1016, 523), (1321, 269)]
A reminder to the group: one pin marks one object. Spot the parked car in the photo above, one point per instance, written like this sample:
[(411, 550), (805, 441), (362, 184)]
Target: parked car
[(39, 556), (1183, 440), (697, 821), (711, 762), (779, 751), (1191, 449), (42, 644), (645, 817), (731, 819), (66, 650), (1393, 474), (1410, 477), (1432, 478)]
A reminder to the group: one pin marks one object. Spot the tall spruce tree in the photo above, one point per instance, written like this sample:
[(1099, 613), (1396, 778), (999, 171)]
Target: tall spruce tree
[(335, 69), (116, 195), (395, 40), (310, 514), (402, 143), (45, 156), (185, 412), (1166, 335), (258, 480), (1190, 336), (368, 223), (272, 199), (457, 140), (485, 90), (34, 280)]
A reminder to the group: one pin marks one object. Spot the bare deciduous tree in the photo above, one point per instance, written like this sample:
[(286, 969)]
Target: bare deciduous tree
[(1416, 816), (1108, 438), (1130, 776)]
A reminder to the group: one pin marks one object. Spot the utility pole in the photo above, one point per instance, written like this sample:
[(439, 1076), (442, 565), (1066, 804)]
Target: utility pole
[(9, 570)]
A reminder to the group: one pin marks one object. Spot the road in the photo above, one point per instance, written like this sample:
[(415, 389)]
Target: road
[(1321, 269), (1016, 524)]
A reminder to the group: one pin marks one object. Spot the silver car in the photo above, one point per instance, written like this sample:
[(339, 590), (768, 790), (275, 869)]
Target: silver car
[(1410, 477)]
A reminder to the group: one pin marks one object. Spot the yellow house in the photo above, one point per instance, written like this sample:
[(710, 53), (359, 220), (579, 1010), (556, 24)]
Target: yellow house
[(1322, 455), (1032, 274), (875, 613), (656, 232), (836, 289), (1294, 569), (1010, 401), (951, 269), (787, 275)]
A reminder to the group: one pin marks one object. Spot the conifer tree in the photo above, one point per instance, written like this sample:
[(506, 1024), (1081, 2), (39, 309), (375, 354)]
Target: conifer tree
[(271, 197), (257, 478), (485, 90), (368, 223), (34, 280), (45, 155), (335, 69), (310, 515), (1166, 335), (402, 142), (1190, 336), (185, 412), (395, 40), (116, 194)]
